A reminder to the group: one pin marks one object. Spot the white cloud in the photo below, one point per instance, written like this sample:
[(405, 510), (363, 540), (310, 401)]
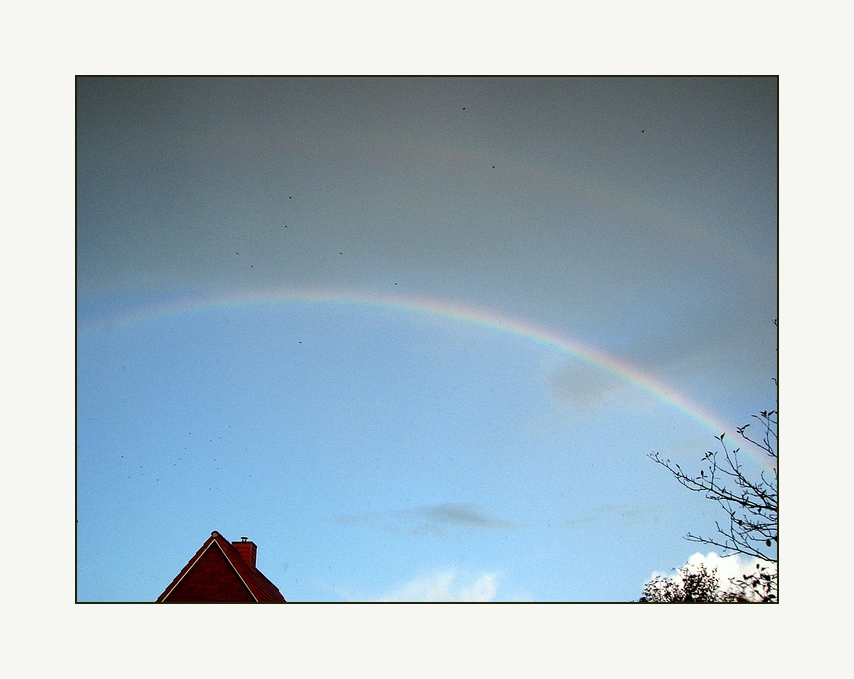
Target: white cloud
[(733, 566), (446, 586)]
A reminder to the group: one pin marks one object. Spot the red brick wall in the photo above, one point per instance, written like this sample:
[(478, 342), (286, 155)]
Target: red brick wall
[(211, 579)]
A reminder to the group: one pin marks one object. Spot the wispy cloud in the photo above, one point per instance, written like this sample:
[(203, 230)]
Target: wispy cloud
[(469, 515), (433, 520), (440, 585), (445, 586), (624, 515)]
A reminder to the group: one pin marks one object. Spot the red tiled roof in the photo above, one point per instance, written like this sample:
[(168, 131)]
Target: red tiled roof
[(257, 587)]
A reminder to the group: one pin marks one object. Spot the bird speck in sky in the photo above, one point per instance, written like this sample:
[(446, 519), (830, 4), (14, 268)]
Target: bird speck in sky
[(597, 300)]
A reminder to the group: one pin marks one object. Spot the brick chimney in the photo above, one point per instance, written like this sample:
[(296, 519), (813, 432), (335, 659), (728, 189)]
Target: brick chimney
[(247, 550)]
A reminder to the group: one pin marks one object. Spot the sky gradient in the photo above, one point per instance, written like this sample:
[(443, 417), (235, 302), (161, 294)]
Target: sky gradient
[(416, 337)]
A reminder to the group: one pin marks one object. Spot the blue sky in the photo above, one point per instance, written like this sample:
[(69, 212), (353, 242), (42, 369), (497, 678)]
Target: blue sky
[(382, 451)]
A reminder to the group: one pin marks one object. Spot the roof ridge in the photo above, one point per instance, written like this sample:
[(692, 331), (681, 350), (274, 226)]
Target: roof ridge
[(256, 583)]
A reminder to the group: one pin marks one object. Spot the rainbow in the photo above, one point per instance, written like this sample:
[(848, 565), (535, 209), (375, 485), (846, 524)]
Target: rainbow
[(454, 311), (570, 178)]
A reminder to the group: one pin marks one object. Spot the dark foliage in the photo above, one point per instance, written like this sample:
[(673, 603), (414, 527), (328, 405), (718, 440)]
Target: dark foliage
[(757, 587), (692, 584), (697, 583)]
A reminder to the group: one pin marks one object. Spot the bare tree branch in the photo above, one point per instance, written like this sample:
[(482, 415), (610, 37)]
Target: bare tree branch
[(749, 503)]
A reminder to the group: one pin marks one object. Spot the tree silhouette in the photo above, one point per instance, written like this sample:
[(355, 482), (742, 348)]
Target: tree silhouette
[(759, 586), (694, 583), (750, 503), (697, 583)]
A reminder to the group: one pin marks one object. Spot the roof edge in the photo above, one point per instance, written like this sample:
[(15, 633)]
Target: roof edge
[(192, 564)]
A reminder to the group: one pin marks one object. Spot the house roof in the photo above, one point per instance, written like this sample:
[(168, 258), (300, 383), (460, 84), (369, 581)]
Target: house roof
[(218, 572)]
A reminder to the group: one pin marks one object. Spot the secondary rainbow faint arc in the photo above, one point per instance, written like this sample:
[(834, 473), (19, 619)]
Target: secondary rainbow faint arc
[(453, 311)]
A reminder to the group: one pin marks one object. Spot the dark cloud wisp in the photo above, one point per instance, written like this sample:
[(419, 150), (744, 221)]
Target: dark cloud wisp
[(433, 520)]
